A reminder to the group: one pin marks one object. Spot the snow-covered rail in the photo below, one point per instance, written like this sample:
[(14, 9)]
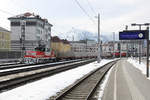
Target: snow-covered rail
[(13, 66), (16, 79), (84, 88)]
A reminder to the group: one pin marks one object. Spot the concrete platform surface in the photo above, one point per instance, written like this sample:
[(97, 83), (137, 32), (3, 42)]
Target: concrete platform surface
[(126, 83)]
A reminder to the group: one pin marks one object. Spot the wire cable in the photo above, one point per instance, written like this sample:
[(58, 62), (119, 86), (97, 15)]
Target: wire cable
[(6, 12), (91, 7), (77, 2)]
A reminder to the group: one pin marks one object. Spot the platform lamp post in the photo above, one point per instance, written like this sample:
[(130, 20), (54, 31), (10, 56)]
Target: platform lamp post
[(140, 42), (147, 63), (126, 28), (113, 44)]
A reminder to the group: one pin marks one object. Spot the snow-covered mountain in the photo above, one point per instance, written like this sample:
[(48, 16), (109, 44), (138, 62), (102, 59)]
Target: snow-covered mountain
[(78, 34)]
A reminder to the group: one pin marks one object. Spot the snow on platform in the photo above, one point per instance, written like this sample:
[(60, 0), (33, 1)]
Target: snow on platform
[(136, 64), (47, 87)]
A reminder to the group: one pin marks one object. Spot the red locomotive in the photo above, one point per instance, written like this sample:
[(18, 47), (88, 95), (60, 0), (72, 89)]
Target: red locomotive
[(39, 56), (117, 54)]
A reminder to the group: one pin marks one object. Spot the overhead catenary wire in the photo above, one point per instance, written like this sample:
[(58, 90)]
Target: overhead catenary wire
[(77, 2), (6, 12), (58, 33), (91, 7), (12, 14)]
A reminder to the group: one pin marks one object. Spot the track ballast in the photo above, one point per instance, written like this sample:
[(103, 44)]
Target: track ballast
[(13, 80), (84, 88)]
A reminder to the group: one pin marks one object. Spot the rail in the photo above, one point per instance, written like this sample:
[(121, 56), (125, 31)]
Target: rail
[(11, 81), (86, 86)]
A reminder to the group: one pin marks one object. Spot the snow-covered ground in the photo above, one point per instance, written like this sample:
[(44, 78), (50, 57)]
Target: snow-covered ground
[(4, 70), (136, 64), (43, 89), (103, 85)]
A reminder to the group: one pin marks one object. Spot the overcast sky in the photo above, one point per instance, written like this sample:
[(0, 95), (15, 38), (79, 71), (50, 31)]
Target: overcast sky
[(66, 14)]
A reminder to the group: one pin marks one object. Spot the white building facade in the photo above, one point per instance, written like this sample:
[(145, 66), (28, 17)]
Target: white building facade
[(37, 31), (84, 48)]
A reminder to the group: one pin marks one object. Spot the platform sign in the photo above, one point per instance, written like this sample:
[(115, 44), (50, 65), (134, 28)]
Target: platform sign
[(133, 35)]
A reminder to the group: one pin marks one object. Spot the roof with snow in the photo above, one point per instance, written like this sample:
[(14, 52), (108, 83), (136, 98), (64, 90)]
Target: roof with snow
[(3, 30), (29, 15)]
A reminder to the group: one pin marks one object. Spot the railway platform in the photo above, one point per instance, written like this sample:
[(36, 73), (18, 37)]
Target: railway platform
[(126, 83)]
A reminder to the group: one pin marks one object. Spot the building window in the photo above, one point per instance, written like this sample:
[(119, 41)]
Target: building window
[(3, 37), (38, 32), (40, 25), (38, 38), (15, 23), (30, 23), (49, 29)]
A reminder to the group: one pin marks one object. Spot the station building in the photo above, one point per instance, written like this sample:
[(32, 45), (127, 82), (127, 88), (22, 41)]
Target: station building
[(5, 40), (37, 31), (130, 47), (88, 48), (61, 47)]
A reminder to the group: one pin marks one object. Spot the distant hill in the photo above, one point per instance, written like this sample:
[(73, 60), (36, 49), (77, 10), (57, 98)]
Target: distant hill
[(83, 34), (78, 34)]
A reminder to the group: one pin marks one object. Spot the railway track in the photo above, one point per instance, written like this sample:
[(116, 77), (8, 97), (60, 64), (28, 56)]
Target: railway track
[(84, 88), (25, 67), (12, 80), (20, 66), (7, 62)]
